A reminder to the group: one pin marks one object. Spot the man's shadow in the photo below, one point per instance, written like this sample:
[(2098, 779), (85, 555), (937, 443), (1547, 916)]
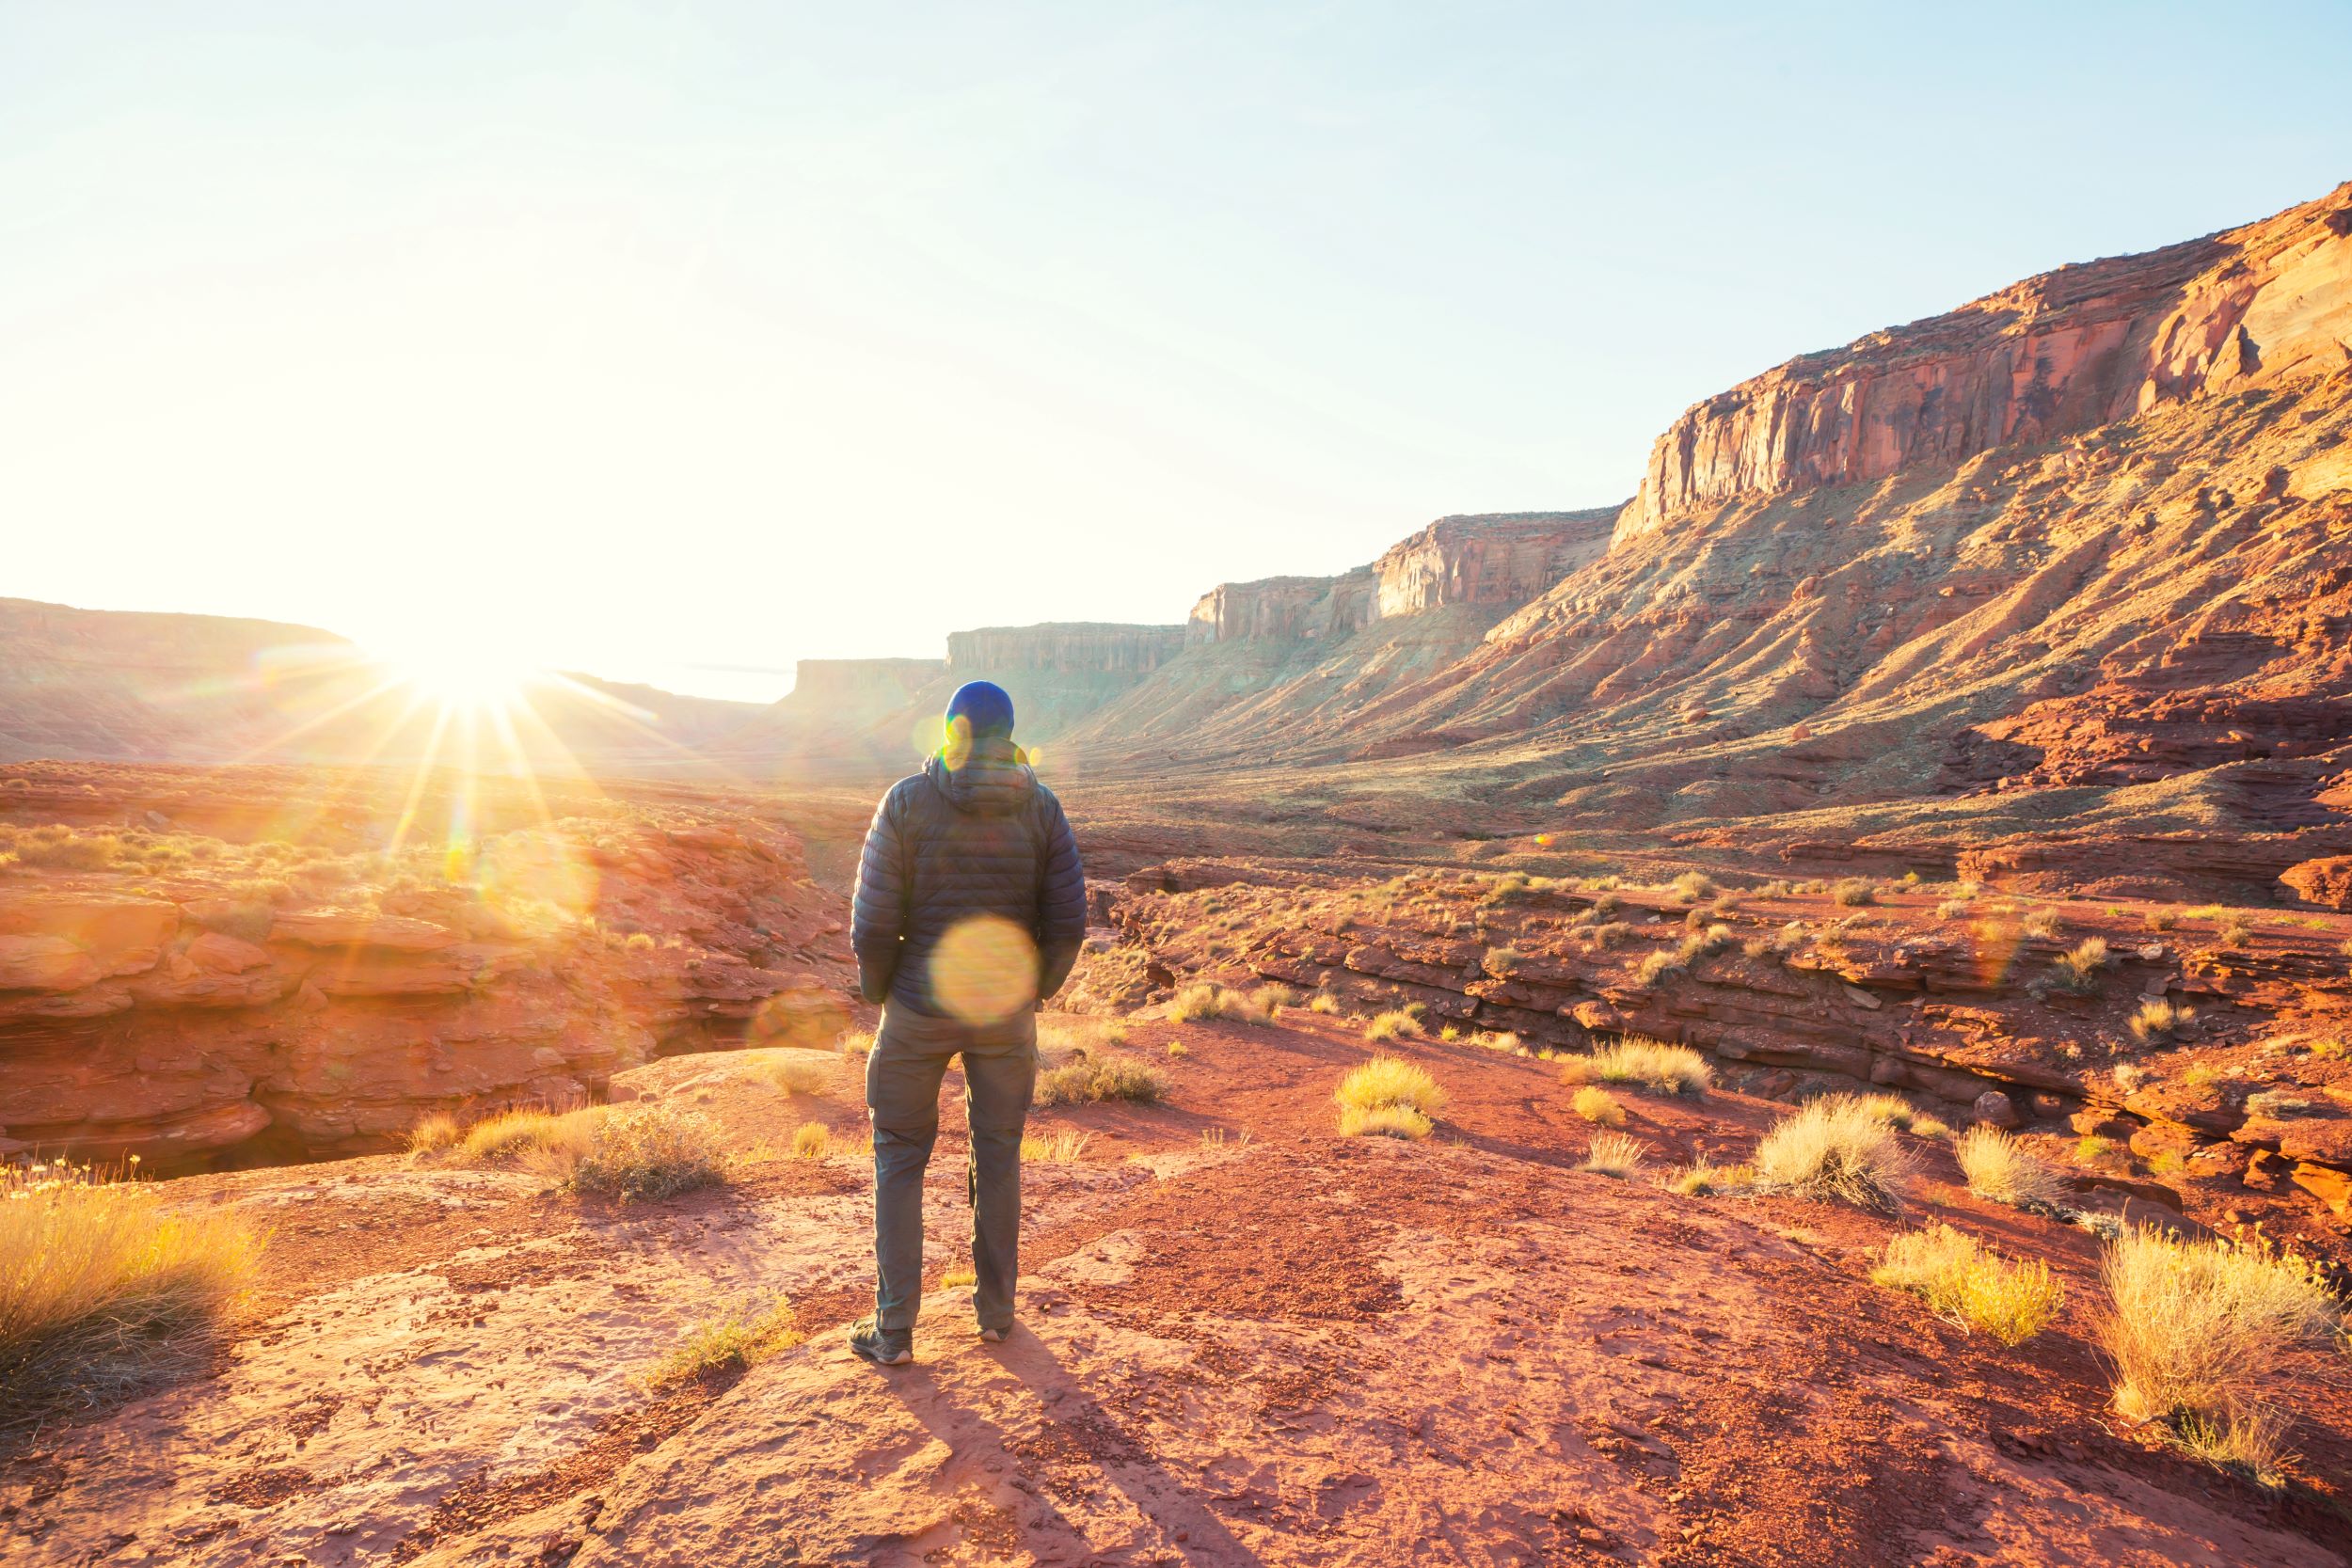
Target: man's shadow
[(1063, 1400)]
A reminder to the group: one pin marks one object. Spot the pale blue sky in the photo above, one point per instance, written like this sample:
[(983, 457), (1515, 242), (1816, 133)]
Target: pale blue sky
[(660, 339)]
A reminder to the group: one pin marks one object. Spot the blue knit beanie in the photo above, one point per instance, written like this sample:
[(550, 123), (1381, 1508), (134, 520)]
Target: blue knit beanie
[(985, 706)]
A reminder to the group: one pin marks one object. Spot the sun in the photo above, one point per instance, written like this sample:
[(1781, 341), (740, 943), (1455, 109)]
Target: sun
[(459, 673)]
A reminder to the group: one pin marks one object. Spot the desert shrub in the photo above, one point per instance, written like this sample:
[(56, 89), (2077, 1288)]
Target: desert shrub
[(1451, 1034), (1205, 1001), (1835, 1148), (1693, 885), (1952, 909), (1607, 905), (2278, 1105), (1392, 1026), (1652, 1065), (2233, 930), (434, 1134), (1926, 1125), (2160, 920), (1614, 1154), (1705, 1181), (1389, 1096), (1852, 890), (637, 942), (2078, 967), (1323, 1001), (1655, 966), (1970, 1285), (2155, 1019), (2041, 923), (1179, 1050), (101, 1287), (742, 1334), (796, 1072), (2199, 1333), (1500, 961), (1061, 1147), (65, 850), (1611, 934), (1597, 1105), (857, 1042), (637, 1151), (1090, 1080), (1700, 944), (1496, 1039), (2001, 1169)]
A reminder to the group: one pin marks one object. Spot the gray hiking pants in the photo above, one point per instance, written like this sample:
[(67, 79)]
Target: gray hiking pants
[(903, 1078)]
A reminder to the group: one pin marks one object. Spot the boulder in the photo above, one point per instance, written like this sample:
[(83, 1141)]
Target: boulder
[(223, 954), (2325, 881), (1993, 1108)]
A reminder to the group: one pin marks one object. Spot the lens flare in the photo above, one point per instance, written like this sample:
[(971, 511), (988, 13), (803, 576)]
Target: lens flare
[(461, 673), (984, 970)]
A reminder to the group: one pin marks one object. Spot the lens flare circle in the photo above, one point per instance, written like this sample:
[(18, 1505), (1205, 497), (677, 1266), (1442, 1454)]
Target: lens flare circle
[(984, 970)]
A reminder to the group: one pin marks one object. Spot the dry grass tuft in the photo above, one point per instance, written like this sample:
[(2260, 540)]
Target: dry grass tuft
[(2155, 1019), (1691, 886), (1855, 890), (1972, 1285), (1091, 1080), (2041, 923), (100, 1288), (1653, 1065), (1204, 1000), (797, 1072), (1388, 1096), (1835, 1148), (1061, 1147), (508, 1136), (1394, 1026), (1323, 1002), (1383, 1121), (1597, 1105), (1705, 1181), (2199, 1333), (2078, 967), (433, 1135), (742, 1335), (2001, 1168), (1614, 1154)]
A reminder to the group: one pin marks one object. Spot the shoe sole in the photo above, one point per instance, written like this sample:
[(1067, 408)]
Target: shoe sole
[(993, 1337), (902, 1359)]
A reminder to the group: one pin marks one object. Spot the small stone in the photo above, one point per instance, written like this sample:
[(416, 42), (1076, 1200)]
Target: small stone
[(1862, 998)]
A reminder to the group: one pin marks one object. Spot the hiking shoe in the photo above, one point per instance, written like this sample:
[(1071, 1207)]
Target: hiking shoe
[(882, 1349), (992, 1336)]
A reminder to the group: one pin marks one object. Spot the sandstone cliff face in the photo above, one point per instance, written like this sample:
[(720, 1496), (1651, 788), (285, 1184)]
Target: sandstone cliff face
[(1499, 559), (1063, 647), (1285, 609), (2055, 355), (303, 989)]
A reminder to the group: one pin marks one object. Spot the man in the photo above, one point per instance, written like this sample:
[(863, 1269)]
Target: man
[(970, 908)]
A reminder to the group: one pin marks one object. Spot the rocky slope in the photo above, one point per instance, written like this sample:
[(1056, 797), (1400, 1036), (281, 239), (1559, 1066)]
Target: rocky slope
[(272, 962), (2245, 1102)]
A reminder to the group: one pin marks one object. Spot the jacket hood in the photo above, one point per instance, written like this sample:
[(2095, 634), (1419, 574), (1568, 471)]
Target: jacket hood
[(991, 781)]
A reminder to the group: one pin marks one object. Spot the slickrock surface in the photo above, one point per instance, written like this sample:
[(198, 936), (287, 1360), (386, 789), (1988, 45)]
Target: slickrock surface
[(260, 964), (1285, 1349)]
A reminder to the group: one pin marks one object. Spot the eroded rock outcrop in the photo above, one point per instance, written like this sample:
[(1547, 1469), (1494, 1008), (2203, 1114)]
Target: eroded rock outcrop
[(1286, 609), (1495, 559), (2055, 355), (200, 994)]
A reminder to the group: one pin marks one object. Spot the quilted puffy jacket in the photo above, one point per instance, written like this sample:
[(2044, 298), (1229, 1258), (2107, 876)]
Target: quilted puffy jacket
[(948, 844)]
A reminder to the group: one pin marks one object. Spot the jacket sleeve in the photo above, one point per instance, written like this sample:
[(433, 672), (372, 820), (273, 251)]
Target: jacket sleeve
[(877, 910), (1061, 902)]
